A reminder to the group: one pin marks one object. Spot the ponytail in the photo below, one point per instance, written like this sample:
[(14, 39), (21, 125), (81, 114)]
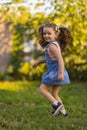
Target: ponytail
[(64, 37), (40, 35)]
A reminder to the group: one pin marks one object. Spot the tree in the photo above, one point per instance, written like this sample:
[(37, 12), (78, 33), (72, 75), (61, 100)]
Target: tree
[(69, 13), (5, 45)]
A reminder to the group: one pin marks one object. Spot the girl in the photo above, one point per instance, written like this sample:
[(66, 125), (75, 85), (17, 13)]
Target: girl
[(53, 40)]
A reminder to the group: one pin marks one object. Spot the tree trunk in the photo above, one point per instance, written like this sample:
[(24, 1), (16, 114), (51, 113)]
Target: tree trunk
[(5, 44)]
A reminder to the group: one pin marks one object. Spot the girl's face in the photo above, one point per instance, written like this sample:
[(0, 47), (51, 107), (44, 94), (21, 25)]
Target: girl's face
[(49, 34)]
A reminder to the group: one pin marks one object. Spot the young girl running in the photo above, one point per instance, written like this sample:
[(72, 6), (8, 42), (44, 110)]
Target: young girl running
[(54, 40)]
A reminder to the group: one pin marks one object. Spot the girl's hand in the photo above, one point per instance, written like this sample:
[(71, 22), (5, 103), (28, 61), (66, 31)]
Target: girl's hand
[(35, 65), (61, 76), (40, 61)]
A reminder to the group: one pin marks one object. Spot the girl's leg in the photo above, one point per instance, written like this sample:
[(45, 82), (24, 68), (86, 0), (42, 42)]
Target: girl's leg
[(56, 105), (44, 91), (55, 90)]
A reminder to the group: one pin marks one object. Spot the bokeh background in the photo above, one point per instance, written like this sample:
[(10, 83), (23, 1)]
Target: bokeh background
[(19, 46)]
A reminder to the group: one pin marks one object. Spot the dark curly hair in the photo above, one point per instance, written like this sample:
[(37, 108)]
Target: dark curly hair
[(63, 37)]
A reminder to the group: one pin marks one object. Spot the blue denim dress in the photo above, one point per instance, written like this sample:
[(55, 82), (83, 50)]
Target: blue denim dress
[(51, 76)]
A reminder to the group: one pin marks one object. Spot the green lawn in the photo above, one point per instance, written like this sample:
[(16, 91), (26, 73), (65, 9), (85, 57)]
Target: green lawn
[(23, 108)]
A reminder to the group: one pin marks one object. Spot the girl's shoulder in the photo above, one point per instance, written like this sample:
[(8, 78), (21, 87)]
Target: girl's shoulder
[(51, 46), (56, 43), (52, 42)]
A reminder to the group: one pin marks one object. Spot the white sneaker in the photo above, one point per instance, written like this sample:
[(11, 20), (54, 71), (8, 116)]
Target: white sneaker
[(64, 112)]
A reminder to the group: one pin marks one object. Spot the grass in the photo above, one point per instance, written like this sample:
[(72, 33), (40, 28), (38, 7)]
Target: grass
[(23, 108)]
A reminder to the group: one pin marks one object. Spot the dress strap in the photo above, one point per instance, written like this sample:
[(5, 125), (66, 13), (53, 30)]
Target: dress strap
[(47, 45), (49, 52)]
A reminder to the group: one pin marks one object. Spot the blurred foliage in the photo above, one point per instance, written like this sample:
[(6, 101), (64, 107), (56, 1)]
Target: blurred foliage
[(17, 1), (69, 13)]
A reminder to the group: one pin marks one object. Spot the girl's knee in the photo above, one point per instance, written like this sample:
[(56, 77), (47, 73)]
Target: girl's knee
[(42, 88)]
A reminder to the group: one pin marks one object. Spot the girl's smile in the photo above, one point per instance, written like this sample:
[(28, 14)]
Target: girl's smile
[(49, 34)]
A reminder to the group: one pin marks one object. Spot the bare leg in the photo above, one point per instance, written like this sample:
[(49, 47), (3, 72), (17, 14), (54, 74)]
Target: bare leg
[(52, 98), (55, 91), (44, 91)]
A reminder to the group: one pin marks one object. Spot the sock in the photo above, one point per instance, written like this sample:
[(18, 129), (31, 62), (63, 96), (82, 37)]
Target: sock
[(63, 111), (55, 103)]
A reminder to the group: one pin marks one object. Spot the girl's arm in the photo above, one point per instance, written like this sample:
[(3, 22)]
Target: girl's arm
[(57, 53), (40, 61)]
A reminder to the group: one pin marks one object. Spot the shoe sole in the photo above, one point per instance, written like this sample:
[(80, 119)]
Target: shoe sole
[(57, 110), (65, 115)]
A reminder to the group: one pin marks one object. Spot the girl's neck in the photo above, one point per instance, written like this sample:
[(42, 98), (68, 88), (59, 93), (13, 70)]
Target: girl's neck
[(52, 40)]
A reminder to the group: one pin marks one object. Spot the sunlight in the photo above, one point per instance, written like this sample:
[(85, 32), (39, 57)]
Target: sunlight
[(12, 86)]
